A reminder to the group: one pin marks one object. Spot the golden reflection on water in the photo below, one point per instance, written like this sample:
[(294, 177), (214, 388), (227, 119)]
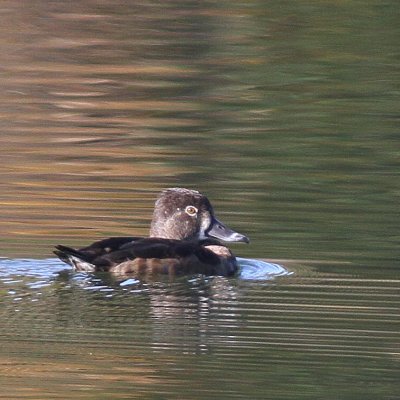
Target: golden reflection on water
[(59, 174), (84, 371), (104, 105), (81, 152)]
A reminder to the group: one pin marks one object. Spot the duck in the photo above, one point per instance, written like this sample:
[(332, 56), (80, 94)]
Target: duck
[(185, 238)]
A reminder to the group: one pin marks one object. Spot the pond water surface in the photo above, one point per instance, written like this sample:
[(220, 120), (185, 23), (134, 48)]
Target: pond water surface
[(285, 114)]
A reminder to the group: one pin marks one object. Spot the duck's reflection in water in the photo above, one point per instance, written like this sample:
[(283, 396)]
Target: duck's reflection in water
[(189, 314), (193, 316)]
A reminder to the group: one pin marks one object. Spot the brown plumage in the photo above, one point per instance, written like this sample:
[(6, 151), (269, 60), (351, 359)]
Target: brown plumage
[(184, 239)]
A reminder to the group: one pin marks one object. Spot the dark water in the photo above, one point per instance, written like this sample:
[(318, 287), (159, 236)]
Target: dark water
[(286, 114)]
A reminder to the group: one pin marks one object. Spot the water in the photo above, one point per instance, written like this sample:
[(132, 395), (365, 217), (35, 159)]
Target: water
[(284, 336), (284, 114)]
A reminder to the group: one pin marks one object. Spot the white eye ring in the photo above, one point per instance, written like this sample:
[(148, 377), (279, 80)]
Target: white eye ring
[(191, 210)]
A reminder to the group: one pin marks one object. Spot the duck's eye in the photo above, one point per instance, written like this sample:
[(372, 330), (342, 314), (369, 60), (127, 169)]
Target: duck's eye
[(191, 210)]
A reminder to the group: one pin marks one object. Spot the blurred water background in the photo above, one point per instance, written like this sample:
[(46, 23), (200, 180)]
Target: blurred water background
[(286, 114)]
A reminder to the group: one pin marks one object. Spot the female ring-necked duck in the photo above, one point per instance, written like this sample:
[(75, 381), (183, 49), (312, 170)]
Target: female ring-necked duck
[(184, 238)]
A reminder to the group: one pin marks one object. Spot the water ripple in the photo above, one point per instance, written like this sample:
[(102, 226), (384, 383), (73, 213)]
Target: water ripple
[(39, 273), (258, 270), (41, 269)]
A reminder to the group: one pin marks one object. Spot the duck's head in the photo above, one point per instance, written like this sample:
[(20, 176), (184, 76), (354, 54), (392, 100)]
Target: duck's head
[(187, 214)]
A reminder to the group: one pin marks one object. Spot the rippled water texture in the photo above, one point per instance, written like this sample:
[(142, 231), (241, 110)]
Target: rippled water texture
[(286, 114), (70, 335)]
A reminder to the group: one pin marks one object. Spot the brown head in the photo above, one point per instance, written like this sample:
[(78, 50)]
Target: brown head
[(187, 214)]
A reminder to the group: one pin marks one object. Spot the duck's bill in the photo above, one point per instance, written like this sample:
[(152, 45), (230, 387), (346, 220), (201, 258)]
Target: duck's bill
[(220, 231)]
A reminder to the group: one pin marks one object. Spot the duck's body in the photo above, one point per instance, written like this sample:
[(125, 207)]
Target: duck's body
[(184, 238)]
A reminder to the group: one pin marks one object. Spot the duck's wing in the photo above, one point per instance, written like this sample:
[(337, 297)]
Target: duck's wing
[(163, 256), (107, 246), (155, 248), (89, 253), (106, 254)]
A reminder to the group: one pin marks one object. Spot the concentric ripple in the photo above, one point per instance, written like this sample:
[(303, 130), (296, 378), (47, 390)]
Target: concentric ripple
[(251, 269)]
